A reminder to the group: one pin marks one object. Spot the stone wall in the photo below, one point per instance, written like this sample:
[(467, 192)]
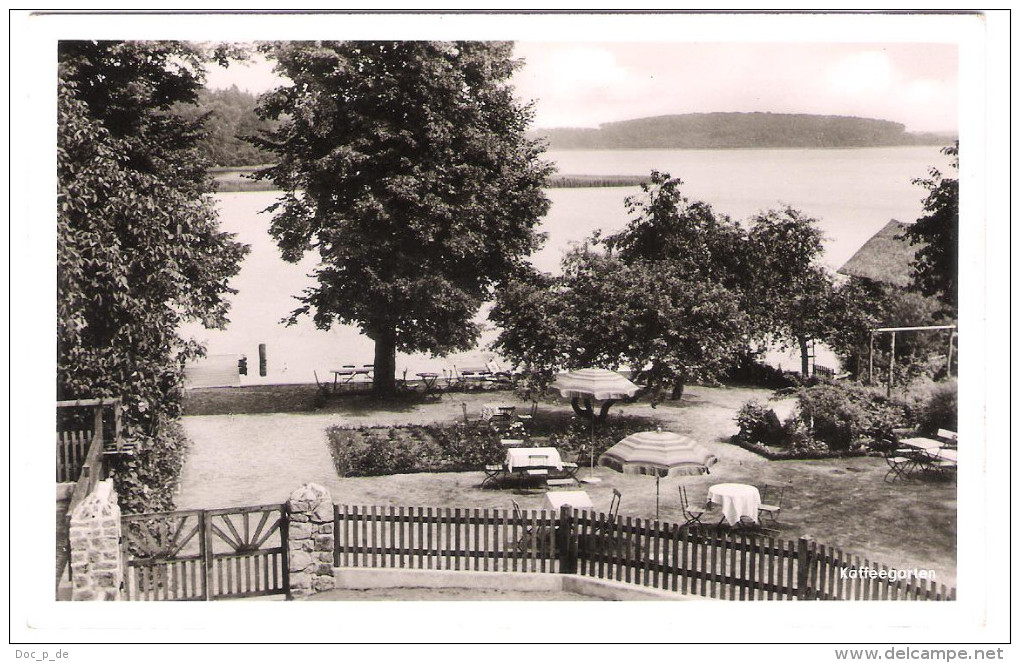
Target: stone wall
[(96, 565), (310, 540)]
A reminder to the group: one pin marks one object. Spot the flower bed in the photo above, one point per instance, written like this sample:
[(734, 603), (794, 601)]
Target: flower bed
[(379, 450), (781, 453)]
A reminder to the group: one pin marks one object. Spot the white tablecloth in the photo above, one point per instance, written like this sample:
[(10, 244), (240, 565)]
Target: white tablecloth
[(524, 457), (576, 499), (737, 500)]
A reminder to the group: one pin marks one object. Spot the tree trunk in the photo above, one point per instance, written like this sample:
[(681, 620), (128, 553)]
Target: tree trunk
[(585, 412), (805, 369), (604, 411), (678, 391), (384, 380)]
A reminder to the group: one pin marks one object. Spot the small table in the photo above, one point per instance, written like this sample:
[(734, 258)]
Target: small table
[(924, 444), (347, 374), (931, 454), (738, 500), (429, 382), (531, 458)]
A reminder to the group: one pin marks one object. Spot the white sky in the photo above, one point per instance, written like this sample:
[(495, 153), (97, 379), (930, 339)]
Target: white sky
[(583, 84)]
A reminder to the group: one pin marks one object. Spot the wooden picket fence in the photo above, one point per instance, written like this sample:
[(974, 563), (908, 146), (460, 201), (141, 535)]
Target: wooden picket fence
[(665, 556), (72, 447), (444, 539)]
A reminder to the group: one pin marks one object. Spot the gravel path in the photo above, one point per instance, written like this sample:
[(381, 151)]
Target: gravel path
[(261, 458)]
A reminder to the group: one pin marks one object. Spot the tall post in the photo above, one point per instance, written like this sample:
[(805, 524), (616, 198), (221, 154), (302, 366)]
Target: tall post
[(871, 360), (804, 561), (949, 357), (565, 549), (98, 424), (892, 366)]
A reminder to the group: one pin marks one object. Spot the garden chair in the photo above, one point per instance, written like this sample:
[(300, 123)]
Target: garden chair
[(748, 525), (532, 538), (901, 464), (614, 505), (323, 389), (948, 437), (772, 510), (692, 514)]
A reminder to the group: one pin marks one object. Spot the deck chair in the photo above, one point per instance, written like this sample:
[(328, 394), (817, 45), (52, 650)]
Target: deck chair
[(771, 507), (692, 514)]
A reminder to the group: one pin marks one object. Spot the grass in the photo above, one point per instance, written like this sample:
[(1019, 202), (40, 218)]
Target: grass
[(244, 453)]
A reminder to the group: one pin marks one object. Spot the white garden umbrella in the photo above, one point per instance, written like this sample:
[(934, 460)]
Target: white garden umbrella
[(594, 384), (658, 452)]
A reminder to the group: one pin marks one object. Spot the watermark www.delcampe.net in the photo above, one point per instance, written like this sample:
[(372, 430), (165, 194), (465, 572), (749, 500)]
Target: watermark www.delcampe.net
[(889, 574)]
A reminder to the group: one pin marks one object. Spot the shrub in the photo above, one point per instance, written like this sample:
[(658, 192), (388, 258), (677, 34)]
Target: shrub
[(759, 425), (840, 413), (754, 373), (940, 409), (147, 481)]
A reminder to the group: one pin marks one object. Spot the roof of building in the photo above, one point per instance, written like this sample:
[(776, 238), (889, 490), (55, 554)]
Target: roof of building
[(886, 257)]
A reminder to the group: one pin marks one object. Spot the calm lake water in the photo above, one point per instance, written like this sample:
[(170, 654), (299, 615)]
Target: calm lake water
[(852, 193)]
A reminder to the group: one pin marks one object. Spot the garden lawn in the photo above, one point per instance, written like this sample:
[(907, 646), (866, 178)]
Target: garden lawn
[(245, 459)]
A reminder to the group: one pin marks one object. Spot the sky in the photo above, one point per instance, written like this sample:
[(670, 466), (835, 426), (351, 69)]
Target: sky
[(584, 84)]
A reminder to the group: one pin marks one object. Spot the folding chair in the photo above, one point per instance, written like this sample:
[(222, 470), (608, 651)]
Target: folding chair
[(532, 538), (772, 510), (692, 514), (901, 464), (614, 505)]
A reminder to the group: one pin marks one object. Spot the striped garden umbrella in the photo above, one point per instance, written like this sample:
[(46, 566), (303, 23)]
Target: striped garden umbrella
[(658, 452), (592, 384)]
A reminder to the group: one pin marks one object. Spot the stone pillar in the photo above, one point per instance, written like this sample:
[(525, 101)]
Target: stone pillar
[(96, 565), (310, 540)]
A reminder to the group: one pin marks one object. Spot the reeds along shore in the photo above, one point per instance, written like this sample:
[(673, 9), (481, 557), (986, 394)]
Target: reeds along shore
[(230, 180)]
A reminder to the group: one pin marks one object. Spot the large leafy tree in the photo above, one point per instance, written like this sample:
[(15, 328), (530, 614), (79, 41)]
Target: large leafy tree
[(936, 267), (787, 291), (405, 165), (659, 297), (689, 235), (139, 250)]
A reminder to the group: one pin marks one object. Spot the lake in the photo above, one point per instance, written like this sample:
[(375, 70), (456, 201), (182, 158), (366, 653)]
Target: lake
[(852, 193)]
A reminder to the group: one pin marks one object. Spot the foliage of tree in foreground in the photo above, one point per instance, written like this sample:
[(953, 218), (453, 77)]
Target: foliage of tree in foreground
[(139, 250), (677, 296), (936, 269), (405, 166)]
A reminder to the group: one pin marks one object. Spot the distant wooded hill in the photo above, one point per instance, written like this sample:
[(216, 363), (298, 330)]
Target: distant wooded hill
[(230, 114), (739, 130)]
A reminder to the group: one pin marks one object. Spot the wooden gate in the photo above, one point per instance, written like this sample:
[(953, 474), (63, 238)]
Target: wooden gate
[(203, 555)]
